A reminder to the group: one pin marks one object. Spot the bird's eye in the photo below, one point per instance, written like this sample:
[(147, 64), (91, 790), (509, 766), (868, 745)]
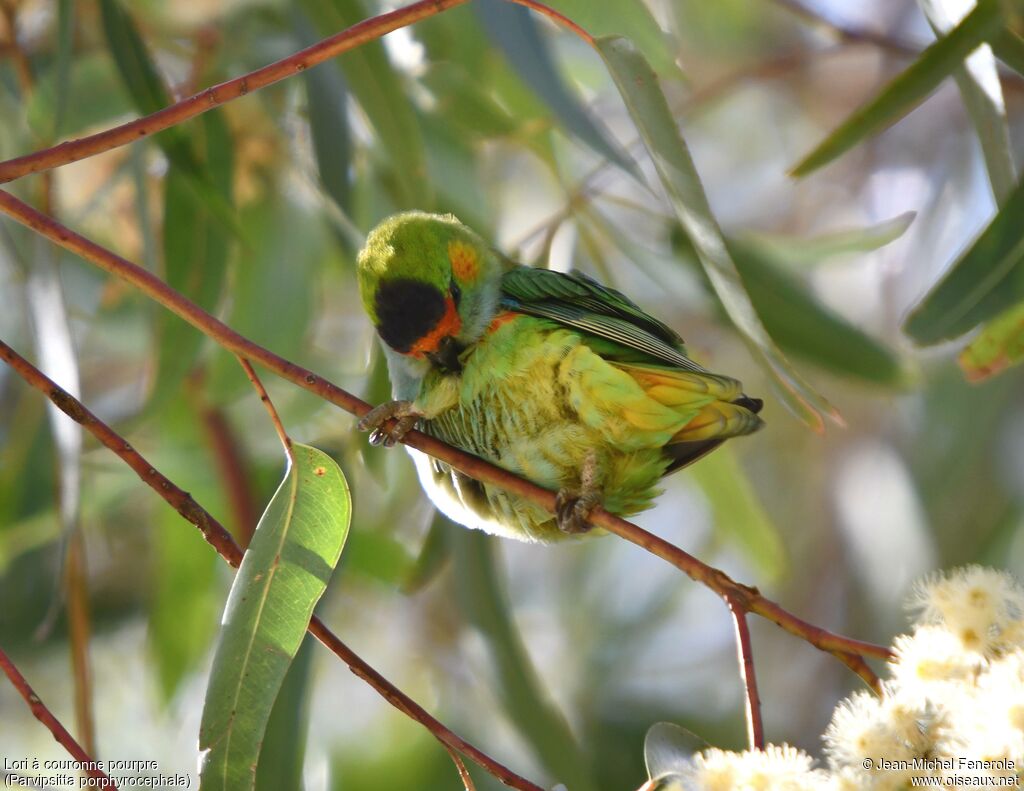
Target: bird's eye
[(456, 293)]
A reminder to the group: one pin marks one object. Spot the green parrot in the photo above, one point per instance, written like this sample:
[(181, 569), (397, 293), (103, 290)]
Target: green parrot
[(552, 376)]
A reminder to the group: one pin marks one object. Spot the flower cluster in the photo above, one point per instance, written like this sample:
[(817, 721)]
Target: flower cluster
[(950, 715)]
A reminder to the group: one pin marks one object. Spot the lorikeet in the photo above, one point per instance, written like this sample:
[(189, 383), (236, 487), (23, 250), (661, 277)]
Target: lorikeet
[(552, 376)]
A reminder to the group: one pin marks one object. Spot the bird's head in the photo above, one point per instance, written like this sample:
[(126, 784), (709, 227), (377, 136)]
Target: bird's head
[(429, 285)]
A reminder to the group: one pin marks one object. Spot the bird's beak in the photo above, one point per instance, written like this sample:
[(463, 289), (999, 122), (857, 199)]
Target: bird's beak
[(446, 356)]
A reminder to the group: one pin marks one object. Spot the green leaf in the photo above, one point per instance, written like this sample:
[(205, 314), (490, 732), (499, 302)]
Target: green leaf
[(516, 33), (809, 250), (183, 605), (383, 98), (647, 106), (62, 71), (737, 511), (279, 274), (978, 81), (1009, 48), (326, 100), (524, 699), (284, 746), (434, 555), (910, 88), (999, 346), (631, 19), (285, 571), (141, 77), (983, 282), (94, 96), (803, 326), (196, 247)]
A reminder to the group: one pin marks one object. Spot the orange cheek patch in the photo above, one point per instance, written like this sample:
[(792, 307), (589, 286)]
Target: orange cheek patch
[(501, 319), (465, 261), (450, 324)]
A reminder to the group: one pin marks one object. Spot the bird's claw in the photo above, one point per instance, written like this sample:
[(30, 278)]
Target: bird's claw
[(404, 415), (572, 510)]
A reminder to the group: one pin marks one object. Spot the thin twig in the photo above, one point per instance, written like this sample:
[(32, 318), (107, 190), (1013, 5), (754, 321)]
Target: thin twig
[(219, 538), (350, 38), (286, 441), (745, 652), (749, 598), (45, 716), (460, 767), (559, 18)]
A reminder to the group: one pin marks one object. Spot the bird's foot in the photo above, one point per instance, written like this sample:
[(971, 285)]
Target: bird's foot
[(404, 414), (573, 508)]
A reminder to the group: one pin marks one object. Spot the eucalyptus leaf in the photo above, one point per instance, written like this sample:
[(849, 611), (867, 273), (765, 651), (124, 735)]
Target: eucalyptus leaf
[(983, 282), (283, 574), (978, 81), (908, 89), (514, 30), (647, 107)]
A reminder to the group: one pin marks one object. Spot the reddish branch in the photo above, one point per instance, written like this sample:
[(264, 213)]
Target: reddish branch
[(755, 726), (219, 538), (746, 597), (350, 38), (45, 716)]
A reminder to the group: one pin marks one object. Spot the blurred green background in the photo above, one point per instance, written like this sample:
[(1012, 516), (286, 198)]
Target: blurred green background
[(555, 660)]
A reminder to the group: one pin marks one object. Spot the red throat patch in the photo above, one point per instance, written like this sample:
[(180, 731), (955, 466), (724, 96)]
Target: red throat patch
[(450, 324)]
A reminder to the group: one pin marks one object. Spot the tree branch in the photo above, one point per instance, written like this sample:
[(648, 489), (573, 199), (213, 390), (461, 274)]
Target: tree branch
[(745, 652), (350, 38), (749, 598), (219, 538), (45, 716)]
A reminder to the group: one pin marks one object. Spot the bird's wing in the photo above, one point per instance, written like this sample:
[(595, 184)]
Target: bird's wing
[(580, 302)]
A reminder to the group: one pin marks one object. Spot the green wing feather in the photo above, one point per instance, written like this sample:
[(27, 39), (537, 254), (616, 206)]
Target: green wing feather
[(575, 300)]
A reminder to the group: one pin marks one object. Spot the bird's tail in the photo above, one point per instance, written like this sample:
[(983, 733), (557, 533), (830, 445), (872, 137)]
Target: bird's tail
[(722, 409)]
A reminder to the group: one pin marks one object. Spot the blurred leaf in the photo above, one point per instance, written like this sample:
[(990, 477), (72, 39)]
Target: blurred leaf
[(452, 165), (377, 390), (147, 89), (383, 97), (284, 746), (978, 81), (183, 606), (647, 106), (378, 555), (807, 250), (983, 282), (909, 89), (631, 19), (94, 96), (276, 278), (515, 32), (62, 71), (669, 751), (327, 107), (999, 346), (282, 576), (435, 554), (803, 326), (463, 102), (737, 512), (196, 249), (1009, 48), (524, 699)]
